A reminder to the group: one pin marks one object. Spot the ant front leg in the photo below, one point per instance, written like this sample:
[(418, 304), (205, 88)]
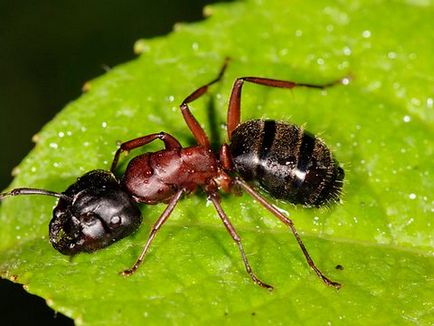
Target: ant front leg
[(198, 132), (170, 142), (161, 220), (234, 109)]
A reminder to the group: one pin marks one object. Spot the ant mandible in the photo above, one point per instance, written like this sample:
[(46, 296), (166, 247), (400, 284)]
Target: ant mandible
[(286, 161)]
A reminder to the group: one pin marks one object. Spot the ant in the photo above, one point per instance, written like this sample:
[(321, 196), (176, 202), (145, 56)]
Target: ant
[(286, 161)]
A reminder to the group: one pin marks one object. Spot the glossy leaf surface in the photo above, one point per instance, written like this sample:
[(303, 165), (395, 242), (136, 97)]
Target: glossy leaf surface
[(380, 127)]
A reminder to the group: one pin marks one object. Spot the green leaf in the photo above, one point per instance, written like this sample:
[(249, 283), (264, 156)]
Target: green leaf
[(380, 126)]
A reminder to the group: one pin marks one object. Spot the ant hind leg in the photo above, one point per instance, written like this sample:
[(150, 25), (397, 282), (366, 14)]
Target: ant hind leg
[(290, 224), (234, 109)]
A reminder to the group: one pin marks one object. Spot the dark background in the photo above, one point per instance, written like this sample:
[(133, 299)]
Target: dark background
[(48, 49)]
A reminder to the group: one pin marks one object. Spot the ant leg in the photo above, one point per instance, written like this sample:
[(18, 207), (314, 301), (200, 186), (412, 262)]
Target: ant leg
[(234, 109), (163, 218), (215, 200), (170, 142), (198, 133), (289, 223)]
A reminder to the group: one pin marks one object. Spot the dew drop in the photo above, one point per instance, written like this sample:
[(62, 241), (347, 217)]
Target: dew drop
[(406, 118), (392, 55), (283, 52), (345, 81), (366, 34)]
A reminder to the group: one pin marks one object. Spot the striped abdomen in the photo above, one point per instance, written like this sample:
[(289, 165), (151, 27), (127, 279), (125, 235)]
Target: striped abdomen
[(288, 162)]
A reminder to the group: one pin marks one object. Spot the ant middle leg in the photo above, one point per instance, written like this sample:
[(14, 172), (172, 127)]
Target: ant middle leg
[(170, 142), (230, 228), (194, 126), (234, 109), (161, 220)]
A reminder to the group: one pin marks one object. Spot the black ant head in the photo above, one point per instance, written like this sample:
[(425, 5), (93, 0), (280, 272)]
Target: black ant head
[(97, 213), (91, 214)]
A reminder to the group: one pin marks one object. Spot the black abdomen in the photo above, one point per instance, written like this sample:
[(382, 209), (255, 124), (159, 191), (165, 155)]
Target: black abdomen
[(288, 162)]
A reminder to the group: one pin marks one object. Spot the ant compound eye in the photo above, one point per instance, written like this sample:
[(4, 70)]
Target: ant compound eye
[(89, 219), (92, 227), (115, 221)]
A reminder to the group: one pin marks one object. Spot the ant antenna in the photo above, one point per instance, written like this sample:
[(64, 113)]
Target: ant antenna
[(33, 191)]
